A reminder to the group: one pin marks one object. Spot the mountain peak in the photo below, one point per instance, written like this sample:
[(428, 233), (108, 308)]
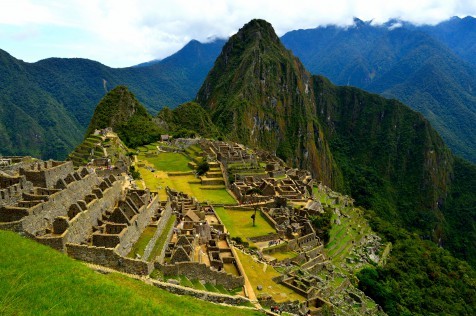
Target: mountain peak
[(257, 29), (115, 108), (259, 94)]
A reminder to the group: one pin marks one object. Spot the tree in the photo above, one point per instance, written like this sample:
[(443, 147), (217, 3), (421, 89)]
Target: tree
[(203, 168), (254, 192)]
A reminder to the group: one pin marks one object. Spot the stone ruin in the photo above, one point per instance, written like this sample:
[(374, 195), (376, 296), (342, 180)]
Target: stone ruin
[(297, 188), (92, 218), (199, 241)]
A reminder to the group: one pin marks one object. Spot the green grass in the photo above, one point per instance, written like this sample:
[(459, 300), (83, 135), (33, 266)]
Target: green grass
[(158, 180), (284, 255), (341, 236), (144, 239), (159, 244), (259, 274), (169, 162), (37, 280), (239, 223)]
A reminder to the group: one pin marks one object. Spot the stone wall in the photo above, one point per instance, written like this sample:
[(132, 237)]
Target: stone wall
[(164, 218), (269, 237), (108, 257), (161, 256), (46, 174), (309, 240), (203, 295), (199, 271), (11, 194), (134, 231), (12, 226), (282, 247), (312, 262), (43, 215), (80, 227)]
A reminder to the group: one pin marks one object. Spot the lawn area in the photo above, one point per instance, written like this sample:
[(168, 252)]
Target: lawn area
[(37, 280), (262, 274), (239, 223), (158, 180), (159, 244), (144, 239), (284, 255), (168, 162)]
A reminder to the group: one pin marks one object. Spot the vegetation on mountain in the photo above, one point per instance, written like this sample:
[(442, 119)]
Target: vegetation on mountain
[(259, 94), (459, 210), (188, 119), (322, 223), (459, 34), (418, 278), (46, 106), (416, 64), (120, 110), (389, 157)]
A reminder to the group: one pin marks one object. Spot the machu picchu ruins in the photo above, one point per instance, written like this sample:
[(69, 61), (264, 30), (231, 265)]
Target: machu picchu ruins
[(97, 213)]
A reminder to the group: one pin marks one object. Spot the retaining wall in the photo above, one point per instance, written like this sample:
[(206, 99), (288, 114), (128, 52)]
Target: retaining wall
[(109, 258), (43, 215), (199, 271), (164, 218), (203, 295), (135, 230)]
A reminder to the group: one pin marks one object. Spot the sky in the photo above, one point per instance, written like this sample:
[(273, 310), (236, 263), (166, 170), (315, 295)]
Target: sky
[(121, 33)]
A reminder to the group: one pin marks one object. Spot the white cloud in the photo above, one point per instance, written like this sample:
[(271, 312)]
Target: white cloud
[(124, 32)]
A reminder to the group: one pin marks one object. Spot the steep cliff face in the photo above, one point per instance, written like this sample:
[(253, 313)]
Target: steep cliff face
[(392, 160), (259, 94)]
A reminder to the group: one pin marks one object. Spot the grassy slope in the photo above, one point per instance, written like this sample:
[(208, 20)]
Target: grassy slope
[(39, 280), (173, 162)]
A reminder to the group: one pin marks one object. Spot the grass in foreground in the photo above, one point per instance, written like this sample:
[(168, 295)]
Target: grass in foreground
[(239, 223), (38, 280)]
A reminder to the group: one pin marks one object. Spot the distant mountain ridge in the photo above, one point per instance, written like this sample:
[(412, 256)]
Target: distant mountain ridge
[(423, 66), (441, 85), (46, 106)]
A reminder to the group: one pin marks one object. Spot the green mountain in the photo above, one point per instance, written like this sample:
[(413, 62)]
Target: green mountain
[(459, 34), (188, 119), (120, 110), (44, 126), (421, 66), (259, 94), (384, 154), (46, 106), (390, 158)]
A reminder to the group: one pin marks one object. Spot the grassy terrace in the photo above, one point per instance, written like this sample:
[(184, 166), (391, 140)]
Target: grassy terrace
[(351, 228), (164, 164), (262, 274), (159, 244), (239, 223), (144, 239), (169, 162), (37, 280)]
